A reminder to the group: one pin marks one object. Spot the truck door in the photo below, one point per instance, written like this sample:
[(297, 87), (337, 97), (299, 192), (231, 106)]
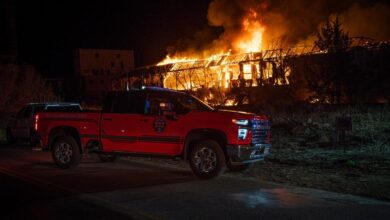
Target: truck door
[(161, 133), (120, 122)]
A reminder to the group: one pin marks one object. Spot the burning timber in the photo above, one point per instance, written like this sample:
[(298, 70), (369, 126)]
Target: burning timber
[(224, 72)]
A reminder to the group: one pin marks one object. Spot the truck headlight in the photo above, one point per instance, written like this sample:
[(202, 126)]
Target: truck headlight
[(243, 122), (242, 133)]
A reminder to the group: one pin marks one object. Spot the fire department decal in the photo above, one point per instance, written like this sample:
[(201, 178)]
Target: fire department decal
[(159, 125)]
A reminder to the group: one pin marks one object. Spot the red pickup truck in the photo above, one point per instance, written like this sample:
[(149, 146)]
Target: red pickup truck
[(157, 122)]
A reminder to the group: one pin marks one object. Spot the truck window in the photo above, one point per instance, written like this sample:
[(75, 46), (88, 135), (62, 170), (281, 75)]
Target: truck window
[(186, 103), (39, 108), (120, 104), (128, 103), (24, 112), (137, 103), (152, 103), (107, 105), (21, 113)]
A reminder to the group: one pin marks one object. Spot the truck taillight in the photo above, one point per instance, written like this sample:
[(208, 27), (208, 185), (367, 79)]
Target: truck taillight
[(36, 122)]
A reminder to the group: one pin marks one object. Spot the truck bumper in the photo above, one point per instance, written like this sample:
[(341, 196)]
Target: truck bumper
[(248, 153)]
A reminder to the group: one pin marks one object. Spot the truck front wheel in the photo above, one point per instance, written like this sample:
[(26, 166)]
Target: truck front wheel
[(207, 159), (66, 152)]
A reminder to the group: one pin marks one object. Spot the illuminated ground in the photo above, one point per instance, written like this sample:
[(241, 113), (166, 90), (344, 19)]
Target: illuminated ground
[(31, 187)]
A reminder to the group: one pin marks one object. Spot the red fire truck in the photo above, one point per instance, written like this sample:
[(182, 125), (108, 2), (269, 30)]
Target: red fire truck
[(157, 122)]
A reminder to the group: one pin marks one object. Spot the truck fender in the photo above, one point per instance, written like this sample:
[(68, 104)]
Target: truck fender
[(202, 134), (64, 131)]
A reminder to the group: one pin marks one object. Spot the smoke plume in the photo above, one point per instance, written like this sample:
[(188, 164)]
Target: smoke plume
[(289, 21)]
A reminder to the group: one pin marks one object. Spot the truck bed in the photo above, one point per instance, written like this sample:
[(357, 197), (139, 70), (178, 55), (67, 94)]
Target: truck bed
[(86, 123)]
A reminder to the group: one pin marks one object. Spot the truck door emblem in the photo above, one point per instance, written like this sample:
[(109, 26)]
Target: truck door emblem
[(159, 124)]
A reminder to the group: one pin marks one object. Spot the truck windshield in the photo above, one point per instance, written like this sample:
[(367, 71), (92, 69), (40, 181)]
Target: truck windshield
[(188, 103)]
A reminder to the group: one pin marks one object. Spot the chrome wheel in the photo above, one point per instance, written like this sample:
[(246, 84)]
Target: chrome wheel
[(205, 159), (63, 152), (66, 152)]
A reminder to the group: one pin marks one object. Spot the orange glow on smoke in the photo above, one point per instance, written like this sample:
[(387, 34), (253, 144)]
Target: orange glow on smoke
[(221, 69), (248, 40)]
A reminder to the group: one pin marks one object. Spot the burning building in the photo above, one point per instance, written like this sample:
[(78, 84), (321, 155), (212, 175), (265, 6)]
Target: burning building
[(234, 60), (254, 50), (278, 68)]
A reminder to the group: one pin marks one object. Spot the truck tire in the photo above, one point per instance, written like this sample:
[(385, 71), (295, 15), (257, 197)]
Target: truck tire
[(10, 138), (207, 159), (247, 167), (107, 158), (66, 152)]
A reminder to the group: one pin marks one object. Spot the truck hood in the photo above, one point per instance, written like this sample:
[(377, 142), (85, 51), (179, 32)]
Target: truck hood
[(240, 114), (235, 113)]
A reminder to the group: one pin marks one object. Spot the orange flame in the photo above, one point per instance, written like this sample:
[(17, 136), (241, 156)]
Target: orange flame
[(168, 59), (222, 68), (249, 39)]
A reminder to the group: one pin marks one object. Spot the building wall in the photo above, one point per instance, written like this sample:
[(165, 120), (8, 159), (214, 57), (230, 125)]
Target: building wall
[(94, 62), (97, 68)]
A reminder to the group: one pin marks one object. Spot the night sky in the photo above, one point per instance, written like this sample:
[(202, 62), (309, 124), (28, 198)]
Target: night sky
[(48, 31)]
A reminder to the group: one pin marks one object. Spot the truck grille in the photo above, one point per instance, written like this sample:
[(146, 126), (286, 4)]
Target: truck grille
[(260, 131)]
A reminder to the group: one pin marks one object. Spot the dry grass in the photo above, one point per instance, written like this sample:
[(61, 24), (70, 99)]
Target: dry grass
[(370, 129), (306, 152)]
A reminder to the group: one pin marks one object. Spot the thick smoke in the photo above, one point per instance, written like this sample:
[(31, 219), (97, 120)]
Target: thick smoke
[(289, 21), (371, 21), (297, 20)]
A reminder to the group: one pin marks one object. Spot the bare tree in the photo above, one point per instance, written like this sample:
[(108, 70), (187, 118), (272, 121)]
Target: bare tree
[(20, 85)]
